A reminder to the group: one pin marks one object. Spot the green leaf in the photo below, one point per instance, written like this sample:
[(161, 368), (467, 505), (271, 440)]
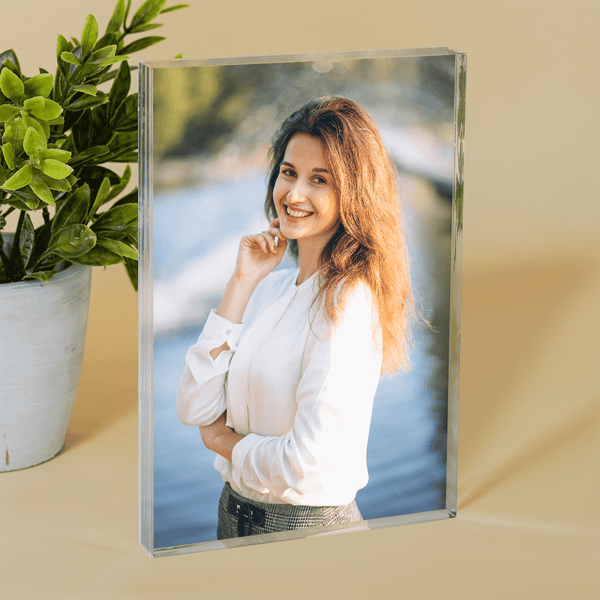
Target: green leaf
[(44, 276), (42, 235), (85, 102), (131, 266), (73, 209), (117, 189), (24, 199), (91, 90), (125, 118), (118, 17), (147, 12), (122, 144), (40, 85), (10, 65), (100, 134), (33, 142), (104, 52), (57, 121), (58, 185), (20, 179), (70, 58), (94, 175), (117, 217), (179, 55), (9, 155), (36, 102), (10, 84), (145, 27), (14, 133), (50, 110), (72, 241), (89, 35), (98, 257), (126, 157), (142, 43), (7, 112), (62, 45), (9, 59), (110, 38), (26, 240), (117, 247), (119, 89), (100, 197), (128, 233), (81, 129), (105, 62), (40, 126), (41, 189), (55, 169), (56, 153), (93, 155), (172, 8)]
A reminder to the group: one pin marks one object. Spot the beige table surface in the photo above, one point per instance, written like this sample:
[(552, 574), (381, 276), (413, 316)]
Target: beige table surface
[(528, 503)]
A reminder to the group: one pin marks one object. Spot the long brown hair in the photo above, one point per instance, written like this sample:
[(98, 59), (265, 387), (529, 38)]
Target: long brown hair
[(369, 243)]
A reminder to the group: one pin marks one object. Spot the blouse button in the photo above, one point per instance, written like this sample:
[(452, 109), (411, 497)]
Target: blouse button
[(228, 332)]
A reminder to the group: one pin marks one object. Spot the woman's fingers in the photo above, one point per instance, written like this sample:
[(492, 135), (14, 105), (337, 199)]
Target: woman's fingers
[(275, 226), (264, 240), (270, 241), (273, 238)]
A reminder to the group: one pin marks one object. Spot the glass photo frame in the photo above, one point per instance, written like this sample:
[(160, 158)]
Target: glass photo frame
[(205, 129)]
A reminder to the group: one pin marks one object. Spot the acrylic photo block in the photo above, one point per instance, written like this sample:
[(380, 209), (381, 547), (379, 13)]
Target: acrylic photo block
[(205, 132)]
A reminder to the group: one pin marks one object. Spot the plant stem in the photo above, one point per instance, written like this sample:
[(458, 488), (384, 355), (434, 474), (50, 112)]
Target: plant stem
[(9, 210), (46, 215)]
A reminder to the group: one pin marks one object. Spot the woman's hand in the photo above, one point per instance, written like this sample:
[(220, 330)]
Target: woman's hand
[(260, 253), (219, 438)]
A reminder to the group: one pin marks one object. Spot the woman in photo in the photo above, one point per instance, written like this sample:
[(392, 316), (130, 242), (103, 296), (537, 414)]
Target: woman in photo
[(282, 379)]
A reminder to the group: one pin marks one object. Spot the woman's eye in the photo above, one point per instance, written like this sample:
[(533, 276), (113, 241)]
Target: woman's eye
[(288, 172), (319, 180)]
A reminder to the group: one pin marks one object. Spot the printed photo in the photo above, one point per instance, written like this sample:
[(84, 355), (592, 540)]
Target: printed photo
[(297, 271)]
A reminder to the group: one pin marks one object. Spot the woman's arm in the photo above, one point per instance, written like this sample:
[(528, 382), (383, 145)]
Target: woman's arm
[(258, 255), (219, 438), (201, 398)]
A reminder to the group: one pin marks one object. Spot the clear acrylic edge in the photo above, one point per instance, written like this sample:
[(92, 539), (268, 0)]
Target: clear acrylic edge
[(456, 281), (145, 317)]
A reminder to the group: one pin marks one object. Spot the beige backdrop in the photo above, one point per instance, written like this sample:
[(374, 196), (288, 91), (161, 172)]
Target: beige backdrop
[(528, 460)]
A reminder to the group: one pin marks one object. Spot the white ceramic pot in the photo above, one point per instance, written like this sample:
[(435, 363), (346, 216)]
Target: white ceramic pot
[(42, 338)]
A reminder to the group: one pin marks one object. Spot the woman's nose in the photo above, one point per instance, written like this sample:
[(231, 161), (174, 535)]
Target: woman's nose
[(297, 193)]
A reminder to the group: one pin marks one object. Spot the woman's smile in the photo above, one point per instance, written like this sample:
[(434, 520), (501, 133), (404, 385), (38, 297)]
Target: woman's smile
[(296, 213)]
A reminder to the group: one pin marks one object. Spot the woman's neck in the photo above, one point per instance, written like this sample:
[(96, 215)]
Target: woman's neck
[(308, 261)]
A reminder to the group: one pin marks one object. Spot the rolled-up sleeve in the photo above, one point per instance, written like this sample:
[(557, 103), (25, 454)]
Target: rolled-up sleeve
[(201, 396), (324, 453)]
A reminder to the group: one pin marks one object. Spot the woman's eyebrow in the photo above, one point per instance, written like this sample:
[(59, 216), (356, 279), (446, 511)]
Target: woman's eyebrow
[(315, 170)]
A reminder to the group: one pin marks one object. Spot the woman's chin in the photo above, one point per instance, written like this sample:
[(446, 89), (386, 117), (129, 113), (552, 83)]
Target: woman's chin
[(289, 233)]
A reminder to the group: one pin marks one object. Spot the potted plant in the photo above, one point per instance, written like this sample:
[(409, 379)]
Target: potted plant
[(57, 135)]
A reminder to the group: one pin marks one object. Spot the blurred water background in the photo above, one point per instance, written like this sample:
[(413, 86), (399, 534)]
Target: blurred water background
[(212, 130)]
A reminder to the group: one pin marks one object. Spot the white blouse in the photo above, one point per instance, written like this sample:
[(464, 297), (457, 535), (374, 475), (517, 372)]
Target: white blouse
[(300, 392)]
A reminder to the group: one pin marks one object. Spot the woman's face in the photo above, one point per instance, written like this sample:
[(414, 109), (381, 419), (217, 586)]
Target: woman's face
[(307, 204)]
